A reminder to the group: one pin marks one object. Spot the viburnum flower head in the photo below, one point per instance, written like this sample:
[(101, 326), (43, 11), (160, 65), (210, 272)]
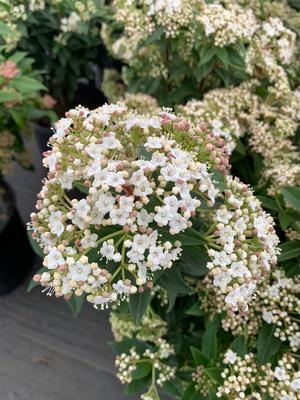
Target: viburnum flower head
[(120, 188), (142, 181)]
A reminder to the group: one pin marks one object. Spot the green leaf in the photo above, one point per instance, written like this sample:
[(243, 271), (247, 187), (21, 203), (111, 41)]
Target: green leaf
[(202, 70), (268, 203), (138, 304), (143, 153), (25, 84), (142, 370), (222, 55), (267, 397), (214, 373), (240, 148), (189, 391), (152, 393), (267, 343), (198, 396), (80, 186), (173, 387), (136, 386), (292, 196), (124, 346), (6, 96), (35, 246), (289, 250), (193, 261), (180, 93), (5, 30), (209, 339), (235, 59), (239, 346), (154, 36), (172, 281), (206, 54), (18, 56), (190, 237), (284, 220), (18, 118), (195, 310), (291, 268), (219, 180), (76, 303), (212, 393), (198, 357)]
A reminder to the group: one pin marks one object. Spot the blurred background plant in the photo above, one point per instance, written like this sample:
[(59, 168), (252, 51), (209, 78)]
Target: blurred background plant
[(21, 102), (62, 37)]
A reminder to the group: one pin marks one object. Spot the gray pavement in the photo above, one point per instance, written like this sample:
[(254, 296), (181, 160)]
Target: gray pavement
[(45, 353)]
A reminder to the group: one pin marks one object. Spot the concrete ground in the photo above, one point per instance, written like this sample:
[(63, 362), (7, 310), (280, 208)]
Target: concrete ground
[(45, 353)]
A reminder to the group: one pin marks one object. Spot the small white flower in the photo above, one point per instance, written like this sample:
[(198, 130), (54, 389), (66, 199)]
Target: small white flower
[(267, 316), (295, 384), (294, 341), (57, 228), (280, 374), (230, 357), (82, 208), (54, 259), (89, 241), (223, 215), (79, 271), (107, 250), (61, 126), (222, 279)]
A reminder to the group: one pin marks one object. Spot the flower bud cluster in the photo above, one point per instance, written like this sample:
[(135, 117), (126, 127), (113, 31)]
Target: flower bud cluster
[(202, 380), (149, 329), (276, 301), (110, 240), (273, 48), (158, 357), (245, 379), (225, 111), (270, 123)]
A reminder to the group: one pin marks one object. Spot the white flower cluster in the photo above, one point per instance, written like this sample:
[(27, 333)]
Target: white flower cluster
[(176, 19), (243, 245), (244, 379), (82, 12), (108, 242), (227, 25)]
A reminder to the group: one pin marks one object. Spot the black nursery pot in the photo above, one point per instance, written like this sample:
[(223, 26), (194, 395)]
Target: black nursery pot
[(42, 136), (17, 256)]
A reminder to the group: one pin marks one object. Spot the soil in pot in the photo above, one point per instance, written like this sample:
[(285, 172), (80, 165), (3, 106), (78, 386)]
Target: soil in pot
[(17, 256)]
